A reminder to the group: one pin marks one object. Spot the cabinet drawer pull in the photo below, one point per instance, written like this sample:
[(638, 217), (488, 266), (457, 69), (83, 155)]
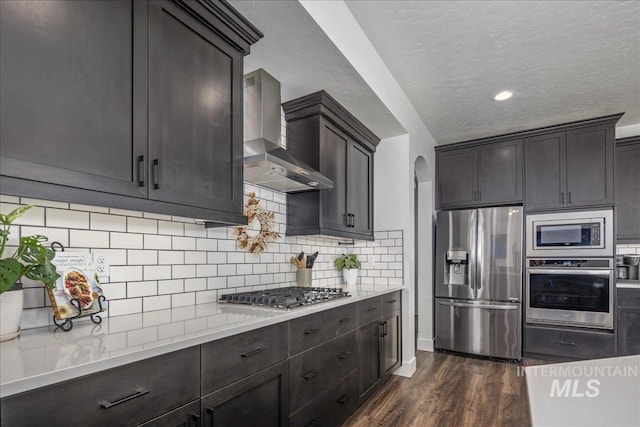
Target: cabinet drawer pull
[(140, 171), (253, 352), (154, 174), (311, 331), (567, 343), (311, 374), (139, 392), (562, 197), (344, 399), (313, 423), (370, 309), (385, 329), (391, 301), (344, 355), (195, 418), (344, 320), (569, 197)]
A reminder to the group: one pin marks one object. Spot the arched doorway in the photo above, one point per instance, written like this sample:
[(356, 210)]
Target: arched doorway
[(423, 247)]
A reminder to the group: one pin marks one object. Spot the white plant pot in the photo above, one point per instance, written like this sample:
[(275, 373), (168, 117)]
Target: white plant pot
[(11, 304), (350, 276)]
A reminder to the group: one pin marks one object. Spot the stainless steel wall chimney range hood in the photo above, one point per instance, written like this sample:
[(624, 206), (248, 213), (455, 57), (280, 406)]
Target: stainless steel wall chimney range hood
[(266, 163)]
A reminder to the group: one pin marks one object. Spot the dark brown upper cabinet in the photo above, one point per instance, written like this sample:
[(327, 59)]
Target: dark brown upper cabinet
[(572, 168), (628, 189), (486, 174), (128, 104), (321, 133)]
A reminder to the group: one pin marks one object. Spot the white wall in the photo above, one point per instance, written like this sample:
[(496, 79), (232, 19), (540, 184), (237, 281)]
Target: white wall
[(336, 20)]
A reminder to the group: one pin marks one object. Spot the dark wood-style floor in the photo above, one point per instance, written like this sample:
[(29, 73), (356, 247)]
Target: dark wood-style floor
[(448, 390)]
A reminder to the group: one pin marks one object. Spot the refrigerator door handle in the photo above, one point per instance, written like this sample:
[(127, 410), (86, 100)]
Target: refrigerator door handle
[(472, 273), (491, 306)]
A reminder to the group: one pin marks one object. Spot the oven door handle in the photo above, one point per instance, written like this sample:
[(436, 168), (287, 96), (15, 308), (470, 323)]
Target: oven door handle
[(467, 305), (570, 271)]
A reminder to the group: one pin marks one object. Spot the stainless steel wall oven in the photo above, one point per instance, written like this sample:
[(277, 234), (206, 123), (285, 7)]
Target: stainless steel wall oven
[(576, 292)]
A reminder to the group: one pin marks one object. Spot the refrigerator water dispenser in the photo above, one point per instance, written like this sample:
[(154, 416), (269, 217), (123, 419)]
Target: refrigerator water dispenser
[(455, 267)]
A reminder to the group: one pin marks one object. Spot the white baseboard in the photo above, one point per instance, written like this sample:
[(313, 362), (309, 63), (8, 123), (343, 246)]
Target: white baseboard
[(425, 344), (407, 369)]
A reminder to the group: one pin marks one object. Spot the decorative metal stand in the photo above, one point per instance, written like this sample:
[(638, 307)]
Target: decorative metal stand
[(67, 324)]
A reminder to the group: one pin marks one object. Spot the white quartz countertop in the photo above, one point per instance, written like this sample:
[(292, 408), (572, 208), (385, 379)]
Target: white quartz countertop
[(601, 392), (44, 356)]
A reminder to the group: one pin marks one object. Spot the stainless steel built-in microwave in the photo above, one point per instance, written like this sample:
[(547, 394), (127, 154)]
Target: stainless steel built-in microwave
[(575, 233)]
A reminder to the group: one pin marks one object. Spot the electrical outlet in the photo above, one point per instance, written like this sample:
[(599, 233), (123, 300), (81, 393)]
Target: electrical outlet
[(102, 266)]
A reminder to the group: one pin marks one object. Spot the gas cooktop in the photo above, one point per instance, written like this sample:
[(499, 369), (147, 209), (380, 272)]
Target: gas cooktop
[(285, 297)]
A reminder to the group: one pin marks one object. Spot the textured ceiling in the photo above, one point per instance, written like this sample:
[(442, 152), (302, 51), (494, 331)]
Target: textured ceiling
[(565, 60), (300, 55)]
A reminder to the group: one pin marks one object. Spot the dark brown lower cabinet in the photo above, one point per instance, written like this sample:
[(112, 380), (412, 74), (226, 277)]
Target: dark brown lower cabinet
[(122, 396), (390, 343), (559, 343), (185, 416), (628, 327), (258, 400), (332, 407), (369, 375)]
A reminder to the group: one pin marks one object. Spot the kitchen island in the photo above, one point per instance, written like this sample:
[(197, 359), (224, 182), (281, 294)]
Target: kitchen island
[(602, 392)]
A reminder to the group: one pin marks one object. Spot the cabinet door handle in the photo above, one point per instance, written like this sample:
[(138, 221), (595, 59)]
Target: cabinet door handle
[(381, 327), (370, 309), (195, 418), (569, 197), (344, 399), (140, 171), (139, 392), (344, 355), (312, 331), (562, 197), (210, 414), (386, 329), (155, 173), (353, 220), (311, 374), (344, 320), (348, 219), (567, 343), (253, 352)]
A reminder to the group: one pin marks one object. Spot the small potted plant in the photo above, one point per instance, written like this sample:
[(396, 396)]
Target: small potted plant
[(31, 260), (349, 265)]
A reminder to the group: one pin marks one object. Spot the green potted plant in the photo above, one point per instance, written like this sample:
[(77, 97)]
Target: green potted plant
[(30, 259), (349, 265)]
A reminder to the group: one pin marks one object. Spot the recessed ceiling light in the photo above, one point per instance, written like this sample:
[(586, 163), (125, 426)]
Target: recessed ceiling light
[(503, 96)]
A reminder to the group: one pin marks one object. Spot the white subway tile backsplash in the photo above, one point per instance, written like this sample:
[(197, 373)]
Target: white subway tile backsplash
[(160, 262), (126, 241), (216, 282), (171, 257), (34, 216), (67, 218), (142, 257), (183, 299), (170, 286), (160, 302), (126, 273), (125, 306), (99, 221), (183, 271), (192, 285), (53, 234), (157, 272), (171, 228), (156, 242), (183, 243), (142, 289), (88, 239), (142, 225), (195, 257), (47, 203)]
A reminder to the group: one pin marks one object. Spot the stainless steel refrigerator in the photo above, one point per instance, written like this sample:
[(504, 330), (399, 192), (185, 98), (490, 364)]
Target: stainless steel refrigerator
[(478, 284)]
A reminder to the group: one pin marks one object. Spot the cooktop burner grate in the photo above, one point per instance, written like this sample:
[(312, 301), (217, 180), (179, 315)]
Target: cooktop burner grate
[(285, 297)]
